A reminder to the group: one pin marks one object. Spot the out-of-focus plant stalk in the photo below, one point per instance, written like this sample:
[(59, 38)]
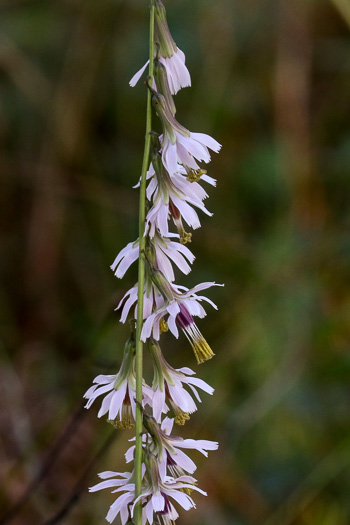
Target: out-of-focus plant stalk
[(141, 280)]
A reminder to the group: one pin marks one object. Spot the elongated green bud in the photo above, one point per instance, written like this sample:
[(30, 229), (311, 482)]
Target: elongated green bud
[(127, 365), (161, 283), (152, 428), (161, 31)]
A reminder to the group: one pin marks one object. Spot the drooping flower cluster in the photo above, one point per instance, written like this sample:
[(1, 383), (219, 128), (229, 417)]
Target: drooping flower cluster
[(175, 197)]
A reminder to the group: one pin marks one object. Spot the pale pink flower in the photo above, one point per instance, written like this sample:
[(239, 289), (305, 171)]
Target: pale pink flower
[(164, 251), (124, 502), (155, 497), (180, 305), (152, 298), (180, 310), (175, 196), (120, 390), (186, 149), (159, 494), (178, 144), (168, 387), (170, 56), (177, 73), (167, 448)]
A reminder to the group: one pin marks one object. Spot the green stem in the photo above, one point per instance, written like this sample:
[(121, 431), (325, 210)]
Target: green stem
[(141, 281)]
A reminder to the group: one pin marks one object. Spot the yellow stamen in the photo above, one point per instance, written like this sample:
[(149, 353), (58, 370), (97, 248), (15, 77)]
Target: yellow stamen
[(123, 424), (202, 350), (163, 325), (126, 422), (181, 418), (187, 490), (195, 175), (185, 237)]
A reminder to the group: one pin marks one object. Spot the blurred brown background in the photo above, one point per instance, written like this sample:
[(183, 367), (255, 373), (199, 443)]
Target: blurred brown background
[(271, 82)]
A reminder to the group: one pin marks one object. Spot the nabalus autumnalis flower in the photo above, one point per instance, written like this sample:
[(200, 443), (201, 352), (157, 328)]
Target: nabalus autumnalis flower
[(119, 388), (178, 144), (168, 387), (168, 448), (180, 308), (172, 195), (172, 58), (162, 250), (156, 495)]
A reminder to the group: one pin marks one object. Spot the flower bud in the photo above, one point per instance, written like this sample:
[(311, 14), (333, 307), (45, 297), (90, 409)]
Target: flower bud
[(161, 31), (127, 365), (161, 283)]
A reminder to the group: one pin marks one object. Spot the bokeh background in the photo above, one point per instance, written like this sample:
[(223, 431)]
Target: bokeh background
[(271, 82)]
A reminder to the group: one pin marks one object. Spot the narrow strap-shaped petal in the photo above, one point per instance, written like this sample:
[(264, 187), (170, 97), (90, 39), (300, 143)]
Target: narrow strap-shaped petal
[(183, 499), (199, 383), (117, 401), (127, 262), (158, 403), (158, 502), (111, 474), (183, 461), (167, 425), (138, 75), (105, 405), (207, 140)]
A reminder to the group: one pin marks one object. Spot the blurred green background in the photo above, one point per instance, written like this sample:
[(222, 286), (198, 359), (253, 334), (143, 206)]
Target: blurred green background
[(271, 82)]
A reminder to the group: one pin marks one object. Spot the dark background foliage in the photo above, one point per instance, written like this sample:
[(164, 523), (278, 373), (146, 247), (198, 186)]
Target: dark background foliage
[(271, 82)]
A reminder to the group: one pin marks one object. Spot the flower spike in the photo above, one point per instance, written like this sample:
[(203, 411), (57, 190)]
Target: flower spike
[(171, 201)]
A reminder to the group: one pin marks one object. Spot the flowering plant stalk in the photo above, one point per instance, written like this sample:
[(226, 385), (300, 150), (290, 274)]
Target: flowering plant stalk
[(141, 279), (161, 477)]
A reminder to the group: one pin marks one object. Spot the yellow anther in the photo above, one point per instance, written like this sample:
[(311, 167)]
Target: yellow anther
[(163, 326), (195, 175), (185, 237), (202, 350), (124, 424), (181, 418)]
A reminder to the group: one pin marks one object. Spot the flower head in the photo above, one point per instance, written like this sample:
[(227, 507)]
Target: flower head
[(180, 310), (162, 251), (158, 492), (167, 448), (178, 144), (125, 482), (120, 389), (151, 299), (170, 56), (174, 196), (156, 495), (168, 387)]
